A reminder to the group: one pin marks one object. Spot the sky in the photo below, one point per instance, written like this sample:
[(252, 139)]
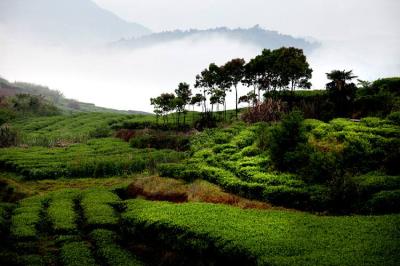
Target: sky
[(322, 19), (362, 35)]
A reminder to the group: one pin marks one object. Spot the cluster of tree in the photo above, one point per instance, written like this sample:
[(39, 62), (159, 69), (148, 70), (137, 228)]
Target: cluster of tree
[(24, 105), (169, 102), (274, 71)]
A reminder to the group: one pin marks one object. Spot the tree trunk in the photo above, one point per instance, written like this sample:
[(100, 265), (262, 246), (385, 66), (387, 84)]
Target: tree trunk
[(236, 101)]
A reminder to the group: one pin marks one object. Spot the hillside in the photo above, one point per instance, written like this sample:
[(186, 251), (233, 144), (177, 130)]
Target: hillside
[(65, 22), (56, 97), (256, 36)]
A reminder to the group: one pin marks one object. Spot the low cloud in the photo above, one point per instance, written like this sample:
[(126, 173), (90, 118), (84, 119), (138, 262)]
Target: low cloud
[(126, 79)]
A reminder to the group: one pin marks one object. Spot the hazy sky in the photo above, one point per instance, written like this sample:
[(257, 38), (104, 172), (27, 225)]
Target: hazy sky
[(362, 35), (323, 19)]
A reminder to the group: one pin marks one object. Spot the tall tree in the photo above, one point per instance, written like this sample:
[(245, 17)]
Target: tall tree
[(197, 99), (183, 94), (341, 90), (291, 69), (156, 102), (208, 80), (259, 72), (234, 71), (167, 104)]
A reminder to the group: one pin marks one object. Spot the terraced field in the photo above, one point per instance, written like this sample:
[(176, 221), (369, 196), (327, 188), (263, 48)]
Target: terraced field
[(97, 227), (95, 158), (102, 223), (232, 158)]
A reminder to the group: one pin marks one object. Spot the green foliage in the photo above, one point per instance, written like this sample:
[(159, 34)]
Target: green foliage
[(26, 218), (6, 115), (96, 158), (160, 140), (391, 85), (285, 142), (8, 136), (30, 105), (266, 237), (65, 129), (61, 211), (384, 202), (394, 118), (110, 251), (76, 254), (96, 205)]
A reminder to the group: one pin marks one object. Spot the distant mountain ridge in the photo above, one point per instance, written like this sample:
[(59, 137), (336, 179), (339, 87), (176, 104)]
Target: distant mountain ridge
[(66, 21), (255, 36), (57, 98)]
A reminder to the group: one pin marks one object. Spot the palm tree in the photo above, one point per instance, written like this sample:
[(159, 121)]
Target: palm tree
[(341, 90), (339, 79)]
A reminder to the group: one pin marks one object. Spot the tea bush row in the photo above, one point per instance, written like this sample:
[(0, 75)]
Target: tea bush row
[(266, 237), (109, 251), (76, 254), (97, 208), (26, 218), (97, 158), (62, 213)]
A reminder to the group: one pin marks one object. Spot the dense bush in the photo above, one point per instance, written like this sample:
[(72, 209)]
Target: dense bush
[(160, 140), (110, 251), (261, 237), (384, 202), (270, 110), (9, 136), (96, 205), (61, 211), (286, 142), (6, 115), (76, 254), (394, 118), (26, 218), (96, 158)]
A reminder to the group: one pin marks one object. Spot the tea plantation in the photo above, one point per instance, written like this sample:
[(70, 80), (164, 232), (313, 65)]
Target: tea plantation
[(337, 202), (96, 227)]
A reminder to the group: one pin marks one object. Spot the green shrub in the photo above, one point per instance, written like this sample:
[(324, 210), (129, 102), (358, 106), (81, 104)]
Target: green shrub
[(371, 183), (6, 115), (158, 140), (287, 196), (394, 118), (259, 237), (112, 253), (251, 151), (8, 136), (285, 138), (96, 158), (61, 211), (384, 202), (76, 254), (26, 219), (96, 205)]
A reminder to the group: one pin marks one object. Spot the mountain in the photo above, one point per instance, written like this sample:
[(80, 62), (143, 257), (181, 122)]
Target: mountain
[(65, 22), (8, 89), (255, 36)]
